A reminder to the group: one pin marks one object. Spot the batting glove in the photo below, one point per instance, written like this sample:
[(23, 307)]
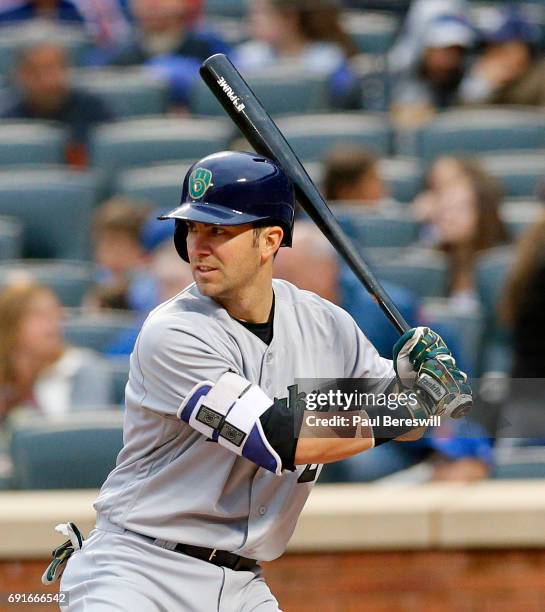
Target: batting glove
[(423, 361)]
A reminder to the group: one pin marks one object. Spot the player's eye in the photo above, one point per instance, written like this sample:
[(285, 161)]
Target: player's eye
[(217, 231)]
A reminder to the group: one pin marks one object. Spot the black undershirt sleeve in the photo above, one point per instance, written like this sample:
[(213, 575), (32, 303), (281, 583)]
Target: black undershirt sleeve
[(280, 425)]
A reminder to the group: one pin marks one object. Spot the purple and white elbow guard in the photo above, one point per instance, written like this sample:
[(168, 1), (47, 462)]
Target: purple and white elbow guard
[(228, 412)]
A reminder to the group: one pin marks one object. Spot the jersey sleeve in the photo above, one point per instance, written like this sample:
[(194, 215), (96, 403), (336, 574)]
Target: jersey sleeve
[(171, 358)]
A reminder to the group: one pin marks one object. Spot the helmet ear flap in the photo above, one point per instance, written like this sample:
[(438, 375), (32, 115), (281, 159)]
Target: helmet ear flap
[(180, 239)]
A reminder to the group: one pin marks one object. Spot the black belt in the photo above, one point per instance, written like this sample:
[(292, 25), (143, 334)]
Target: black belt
[(217, 557)]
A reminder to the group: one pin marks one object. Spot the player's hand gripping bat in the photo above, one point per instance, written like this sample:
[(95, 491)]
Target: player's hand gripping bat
[(248, 114)]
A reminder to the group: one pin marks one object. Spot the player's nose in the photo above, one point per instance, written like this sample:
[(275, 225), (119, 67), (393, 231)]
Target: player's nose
[(198, 245)]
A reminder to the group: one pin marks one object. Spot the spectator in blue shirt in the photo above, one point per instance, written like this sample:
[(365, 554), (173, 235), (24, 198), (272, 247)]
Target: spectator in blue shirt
[(167, 39)]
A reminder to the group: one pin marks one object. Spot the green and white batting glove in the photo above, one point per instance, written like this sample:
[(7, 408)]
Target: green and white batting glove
[(423, 361)]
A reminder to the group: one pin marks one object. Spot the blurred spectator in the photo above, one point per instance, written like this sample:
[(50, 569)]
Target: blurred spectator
[(311, 252), (523, 306), (37, 369), (66, 11), (118, 251), (462, 209), (429, 61), (45, 92), (168, 39), (523, 310), (300, 34), (441, 175), (103, 19), (508, 71), (352, 174), (167, 275), (462, 453)]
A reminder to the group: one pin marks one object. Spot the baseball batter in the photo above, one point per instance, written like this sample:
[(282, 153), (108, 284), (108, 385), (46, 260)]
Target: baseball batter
[(213, 474)]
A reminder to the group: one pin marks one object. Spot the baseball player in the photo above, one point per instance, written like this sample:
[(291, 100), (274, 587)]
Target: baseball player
[(213, 474)]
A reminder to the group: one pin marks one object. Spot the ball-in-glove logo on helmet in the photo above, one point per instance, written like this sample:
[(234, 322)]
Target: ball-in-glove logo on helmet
[(199, 181)]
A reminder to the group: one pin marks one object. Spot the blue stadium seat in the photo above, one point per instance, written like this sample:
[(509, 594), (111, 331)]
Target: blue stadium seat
[(463, 332), (404, 177), (127, 92), (97, 331), (143, 141), (31, 142), (374, 81), (70, 280), (519, 462), (519, 214), (74, 39), (54, 206), (312, 136), (282, 91), (119, 369), (520, 172), (477, 131), (371, 32), (491, 272), (227, 8), (160, 184), (421, 271), (76, 451), (11, 244), (370, 229)]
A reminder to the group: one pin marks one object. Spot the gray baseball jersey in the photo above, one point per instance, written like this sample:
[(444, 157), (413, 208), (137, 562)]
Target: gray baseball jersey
[(170, 481)]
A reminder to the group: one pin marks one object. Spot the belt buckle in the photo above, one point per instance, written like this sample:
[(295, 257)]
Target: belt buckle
[(212, 554)]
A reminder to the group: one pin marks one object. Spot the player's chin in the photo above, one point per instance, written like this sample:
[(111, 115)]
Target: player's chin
[(207, 287)]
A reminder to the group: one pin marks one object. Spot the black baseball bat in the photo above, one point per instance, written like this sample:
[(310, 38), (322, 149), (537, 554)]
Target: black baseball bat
[(242, 105)]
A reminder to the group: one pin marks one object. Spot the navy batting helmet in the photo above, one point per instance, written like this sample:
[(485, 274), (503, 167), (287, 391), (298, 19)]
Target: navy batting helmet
[(233, 188)]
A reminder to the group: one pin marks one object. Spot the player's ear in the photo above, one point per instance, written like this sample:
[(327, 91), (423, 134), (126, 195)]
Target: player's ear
[(271, 239)]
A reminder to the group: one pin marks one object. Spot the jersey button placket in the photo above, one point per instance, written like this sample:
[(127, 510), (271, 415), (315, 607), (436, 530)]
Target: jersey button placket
[(262, 510)]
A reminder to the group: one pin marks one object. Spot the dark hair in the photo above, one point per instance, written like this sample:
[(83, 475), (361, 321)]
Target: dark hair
[(319, 21), (345, 165), (529, 257), (121, 214)]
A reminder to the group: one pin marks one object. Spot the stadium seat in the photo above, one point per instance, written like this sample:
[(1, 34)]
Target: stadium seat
[(371, 32), (11, 245), (31, 142), (15, 37), (233, 30), (519, 214), (75, 451), (281, 91), (143, 141), (54, 206), (476, 131), (97, 331), (519, 462), (227, 8), (160, 184), (127, 92), (421, 271), (403, 176), (462, 332), (369, 229), (520, 172), (312, 136), (70, 280), (374, 81), (119, 369), (491, 271)]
